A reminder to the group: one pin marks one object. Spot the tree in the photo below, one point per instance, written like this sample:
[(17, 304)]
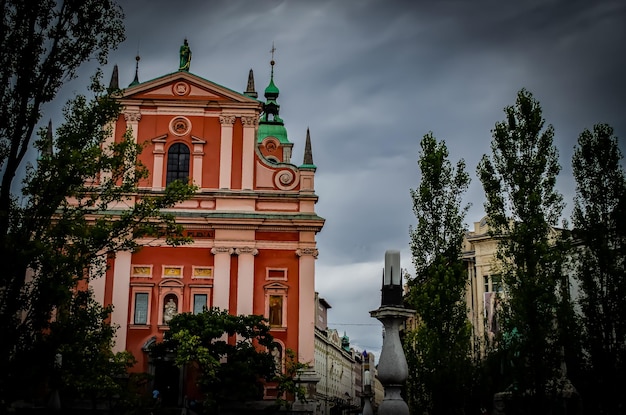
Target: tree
[(438, 349), (56, 224), (523, 207), (599, 219), (85, 365), (230, 353)]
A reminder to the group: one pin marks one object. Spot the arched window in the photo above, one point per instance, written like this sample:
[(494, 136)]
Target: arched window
[(177, 163)]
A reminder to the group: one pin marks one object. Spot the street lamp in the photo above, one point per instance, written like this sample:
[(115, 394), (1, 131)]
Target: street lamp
[(367, 405), (392, 366), (392, 280)]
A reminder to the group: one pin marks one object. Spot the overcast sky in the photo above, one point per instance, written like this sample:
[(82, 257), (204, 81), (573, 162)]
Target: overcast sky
[(370, 78)]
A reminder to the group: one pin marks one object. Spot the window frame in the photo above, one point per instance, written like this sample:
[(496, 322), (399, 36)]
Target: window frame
[(173, 168)]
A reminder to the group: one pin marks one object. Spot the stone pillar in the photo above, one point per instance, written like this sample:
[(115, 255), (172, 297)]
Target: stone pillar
[(226, 150), (245, 279), (221, 277), (392, 366)]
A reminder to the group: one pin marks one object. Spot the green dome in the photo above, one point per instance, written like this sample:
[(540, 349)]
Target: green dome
[(273, 130), (271, 92)]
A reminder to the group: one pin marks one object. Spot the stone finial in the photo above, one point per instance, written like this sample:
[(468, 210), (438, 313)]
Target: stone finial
[(250, 91), (114, 85), (308, 153)]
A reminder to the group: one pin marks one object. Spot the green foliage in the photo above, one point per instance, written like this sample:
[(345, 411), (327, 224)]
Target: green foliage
[(438, 348), (87, 367), (56, 224), (288, 380), (522, 207), (599, 219), (230, 352), (437, 205)]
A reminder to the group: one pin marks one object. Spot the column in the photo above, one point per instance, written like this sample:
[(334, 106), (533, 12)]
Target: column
[(226, 150), (105, 176), (121, 288), (158, 155), (247, 159), (245, 279), (221, 276), (306, 305), (132, 117), (198, 155)]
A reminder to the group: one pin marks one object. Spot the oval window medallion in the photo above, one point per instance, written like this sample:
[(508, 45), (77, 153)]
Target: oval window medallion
[(181, 88), (180, 126)]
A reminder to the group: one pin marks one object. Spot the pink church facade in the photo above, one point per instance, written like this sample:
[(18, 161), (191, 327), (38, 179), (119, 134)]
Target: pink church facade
[(252, 219)]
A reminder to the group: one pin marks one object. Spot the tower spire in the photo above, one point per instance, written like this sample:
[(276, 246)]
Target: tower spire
[(114, 85), (250, 91), (136, 80), (308, 152)]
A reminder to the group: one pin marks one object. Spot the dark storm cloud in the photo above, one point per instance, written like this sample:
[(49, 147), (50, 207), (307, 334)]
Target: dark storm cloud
[(370, 78)]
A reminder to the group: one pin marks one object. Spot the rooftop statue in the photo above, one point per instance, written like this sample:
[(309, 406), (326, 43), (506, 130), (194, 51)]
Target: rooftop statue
[(185, 57)]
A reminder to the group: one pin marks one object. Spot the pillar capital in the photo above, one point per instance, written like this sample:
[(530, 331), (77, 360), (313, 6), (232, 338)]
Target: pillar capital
[(307, 251), (249, 121), (132, 116), (246, 250), (222, 250), (227, 119)]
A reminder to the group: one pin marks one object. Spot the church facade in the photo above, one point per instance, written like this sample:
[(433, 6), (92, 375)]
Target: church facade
[(252, 218)]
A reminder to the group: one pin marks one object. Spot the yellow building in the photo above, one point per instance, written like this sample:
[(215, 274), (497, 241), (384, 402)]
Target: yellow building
[(484, 281)]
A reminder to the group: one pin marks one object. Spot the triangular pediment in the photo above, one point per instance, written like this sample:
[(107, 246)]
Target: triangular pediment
[(185, 86)]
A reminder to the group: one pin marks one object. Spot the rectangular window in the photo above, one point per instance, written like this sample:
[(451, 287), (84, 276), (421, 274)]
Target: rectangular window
[(496, 283), (276, 274), (141, 308), (486, 278), (199, 303)]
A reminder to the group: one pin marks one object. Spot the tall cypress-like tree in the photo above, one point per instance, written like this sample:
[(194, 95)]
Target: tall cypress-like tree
[(56, 224), (523, 206), (599, 219), (438, 347)]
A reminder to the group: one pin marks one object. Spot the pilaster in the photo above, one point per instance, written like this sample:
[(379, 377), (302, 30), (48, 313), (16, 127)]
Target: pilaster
[(221, 278), (245, 279), (226, 150), (306, 305), (121, 287), (132, 117), (247, 158)]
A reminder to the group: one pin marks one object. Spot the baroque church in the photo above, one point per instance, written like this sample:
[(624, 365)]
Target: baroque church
[(252, 218)]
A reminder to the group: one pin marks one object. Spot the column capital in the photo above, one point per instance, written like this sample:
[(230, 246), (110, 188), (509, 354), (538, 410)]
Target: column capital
[(249, 121), (222, 250), (132, 116), (246, 250), (227, 119), (307, 251)]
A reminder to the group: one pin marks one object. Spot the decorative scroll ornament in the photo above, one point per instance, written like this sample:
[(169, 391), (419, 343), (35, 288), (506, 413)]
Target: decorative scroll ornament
[(307, 251), (132, 116), (222, 250), (285, 179), (227, 119), (246, 250)]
